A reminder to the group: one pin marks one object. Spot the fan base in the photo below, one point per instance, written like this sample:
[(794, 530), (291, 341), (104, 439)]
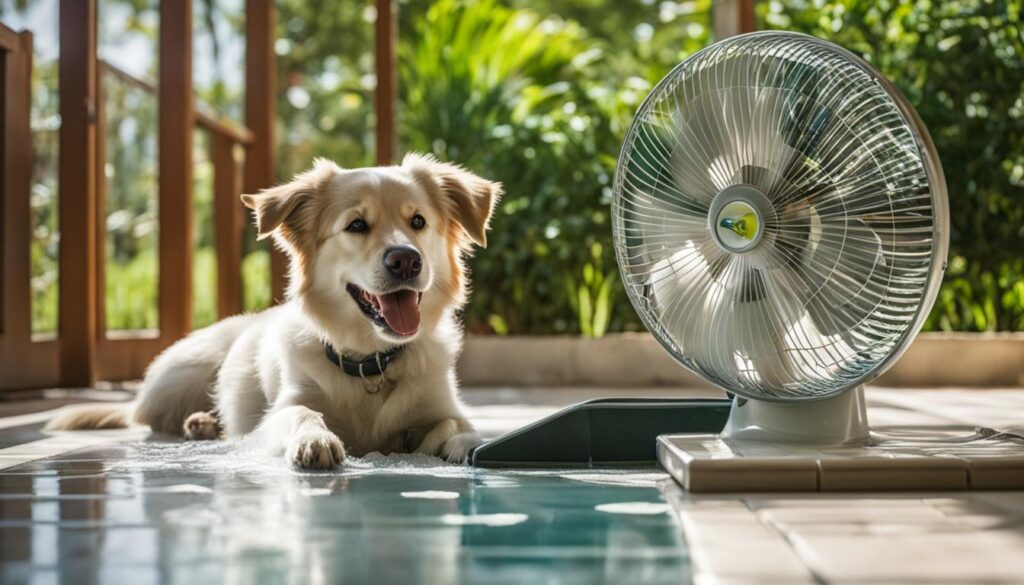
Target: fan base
[(826, 446), (840, 420), (904, 459)]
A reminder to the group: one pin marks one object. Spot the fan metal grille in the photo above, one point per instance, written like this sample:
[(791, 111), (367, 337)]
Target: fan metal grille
[(853, 244)]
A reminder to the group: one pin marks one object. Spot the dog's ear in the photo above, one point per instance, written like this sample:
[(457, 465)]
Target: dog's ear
[(285, 207), (470, 199), (273, 206)]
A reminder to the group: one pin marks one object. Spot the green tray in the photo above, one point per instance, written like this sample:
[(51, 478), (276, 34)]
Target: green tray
[(602, 432)]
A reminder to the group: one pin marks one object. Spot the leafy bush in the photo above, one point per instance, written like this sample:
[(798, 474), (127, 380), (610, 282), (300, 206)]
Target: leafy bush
[(525, 117), (546, 118)]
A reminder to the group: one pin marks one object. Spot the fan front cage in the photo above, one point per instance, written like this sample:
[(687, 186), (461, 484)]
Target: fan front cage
[(780, 217)]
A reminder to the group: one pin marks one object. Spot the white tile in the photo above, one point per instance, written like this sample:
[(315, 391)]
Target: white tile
[(729, 544), (921, 555)]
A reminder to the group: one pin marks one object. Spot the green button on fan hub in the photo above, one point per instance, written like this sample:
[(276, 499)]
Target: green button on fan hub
[(744, 222), (737, 217)]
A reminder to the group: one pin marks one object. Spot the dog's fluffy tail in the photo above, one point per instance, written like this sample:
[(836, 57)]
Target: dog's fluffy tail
[(98, 415)]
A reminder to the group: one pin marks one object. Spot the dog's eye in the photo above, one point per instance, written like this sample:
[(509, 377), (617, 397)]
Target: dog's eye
[(357, 225), (417, 222)]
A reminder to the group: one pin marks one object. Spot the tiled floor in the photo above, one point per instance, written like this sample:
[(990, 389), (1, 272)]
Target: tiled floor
[(117, 506)]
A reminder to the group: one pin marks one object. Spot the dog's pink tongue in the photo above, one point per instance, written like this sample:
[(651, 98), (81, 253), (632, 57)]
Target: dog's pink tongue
[(402, 311)]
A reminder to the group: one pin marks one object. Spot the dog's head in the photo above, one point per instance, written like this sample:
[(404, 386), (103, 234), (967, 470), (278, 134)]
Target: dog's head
[(376, 253)]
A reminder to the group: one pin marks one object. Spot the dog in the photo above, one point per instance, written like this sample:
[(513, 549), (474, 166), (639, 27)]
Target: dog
[(360, 357)]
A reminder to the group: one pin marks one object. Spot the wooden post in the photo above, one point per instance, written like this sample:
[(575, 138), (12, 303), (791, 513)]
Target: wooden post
[(732, 17), (227, 219), (77, 305), (16, 173), (260, 117), (384, 95), (175, 160)]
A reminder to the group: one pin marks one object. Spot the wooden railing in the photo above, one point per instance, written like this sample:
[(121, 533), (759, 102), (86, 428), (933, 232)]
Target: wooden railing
[(84, 351)]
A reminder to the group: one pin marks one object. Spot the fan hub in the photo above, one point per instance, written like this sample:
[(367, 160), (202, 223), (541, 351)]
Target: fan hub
[(737, 217)]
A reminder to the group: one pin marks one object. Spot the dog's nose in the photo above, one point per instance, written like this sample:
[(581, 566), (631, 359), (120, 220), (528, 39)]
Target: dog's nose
[(403, 262)]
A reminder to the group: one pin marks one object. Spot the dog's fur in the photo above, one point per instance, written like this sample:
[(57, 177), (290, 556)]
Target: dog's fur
[(265, 376)]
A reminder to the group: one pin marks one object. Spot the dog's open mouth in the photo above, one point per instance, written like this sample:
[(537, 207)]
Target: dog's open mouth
[(397, 311)]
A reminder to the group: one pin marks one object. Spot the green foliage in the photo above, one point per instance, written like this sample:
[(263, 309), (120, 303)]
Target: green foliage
[(132, 221), (131, 300), (592, 295), (976, 298), (541, 105), (44, 289), (218, 44), (506, 114), (45, 244), (256, 280), (204, 287), (326, 78), (961, 64), (204, 258), (640, 38)]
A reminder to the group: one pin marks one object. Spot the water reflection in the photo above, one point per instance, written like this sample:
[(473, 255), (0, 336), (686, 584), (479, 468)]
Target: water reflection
[(128, 514)]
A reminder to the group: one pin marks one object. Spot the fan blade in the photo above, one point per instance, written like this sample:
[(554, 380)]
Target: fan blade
[(847, 275)]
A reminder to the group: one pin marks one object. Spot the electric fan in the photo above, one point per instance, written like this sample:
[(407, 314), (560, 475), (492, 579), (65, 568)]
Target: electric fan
[(780, 222)]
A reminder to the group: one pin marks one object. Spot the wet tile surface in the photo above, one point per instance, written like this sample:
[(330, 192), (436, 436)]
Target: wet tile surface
[(22, 434), (157, 511)]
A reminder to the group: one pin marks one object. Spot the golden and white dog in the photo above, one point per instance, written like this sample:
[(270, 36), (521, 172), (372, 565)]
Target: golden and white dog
[(376, 263)]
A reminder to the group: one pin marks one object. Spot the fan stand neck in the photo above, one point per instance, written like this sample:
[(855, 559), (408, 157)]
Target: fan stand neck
[(840, 420)]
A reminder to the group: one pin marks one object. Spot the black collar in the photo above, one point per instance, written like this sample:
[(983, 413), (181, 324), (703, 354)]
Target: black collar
[(375, 365)]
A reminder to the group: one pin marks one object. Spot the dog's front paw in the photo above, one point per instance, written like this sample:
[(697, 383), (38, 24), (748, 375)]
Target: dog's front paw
[(320, 450), (201, 426), (457, 448)]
